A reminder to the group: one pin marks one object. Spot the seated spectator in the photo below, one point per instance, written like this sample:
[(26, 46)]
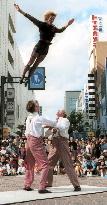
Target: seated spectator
[(4, 166), (21, 167), (78, 166), (105, 156), (89, 147), (73, 148), (103, 144), (3, 150), (101, 166), (13, 164), (89, 166), (22, 151)]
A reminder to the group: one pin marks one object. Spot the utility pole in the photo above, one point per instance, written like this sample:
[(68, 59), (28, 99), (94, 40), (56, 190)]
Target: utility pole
[(3, 81)]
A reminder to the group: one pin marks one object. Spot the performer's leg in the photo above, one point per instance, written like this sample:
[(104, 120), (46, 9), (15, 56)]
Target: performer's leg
[(29, 164), (38, 60), (34, 55), (53, 158), (67, 161), (38, 152)]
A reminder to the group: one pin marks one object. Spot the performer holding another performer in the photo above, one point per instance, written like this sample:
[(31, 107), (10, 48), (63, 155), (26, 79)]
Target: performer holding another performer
[(60, 150), (47, 32), (35, 150)]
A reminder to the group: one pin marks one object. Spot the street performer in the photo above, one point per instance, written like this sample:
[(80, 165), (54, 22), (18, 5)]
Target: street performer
[(47, 32), (60, 150), (35, 150)]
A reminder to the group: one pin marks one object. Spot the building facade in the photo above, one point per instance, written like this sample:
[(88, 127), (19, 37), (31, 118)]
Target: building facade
[(80, 102), (70, 100), (11, 65), (97, 73)]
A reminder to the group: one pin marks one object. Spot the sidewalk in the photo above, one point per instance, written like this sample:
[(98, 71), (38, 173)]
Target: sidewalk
[(16, 183)]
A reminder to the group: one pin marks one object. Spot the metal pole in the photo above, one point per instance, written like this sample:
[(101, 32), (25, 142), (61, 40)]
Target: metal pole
[(3, 81)]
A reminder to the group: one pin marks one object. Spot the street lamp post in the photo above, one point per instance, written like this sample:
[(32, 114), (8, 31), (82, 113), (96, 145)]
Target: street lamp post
[(38, 84), (5, 80)]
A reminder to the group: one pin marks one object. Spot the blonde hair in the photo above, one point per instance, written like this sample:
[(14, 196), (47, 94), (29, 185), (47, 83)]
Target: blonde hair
[(48, 14)]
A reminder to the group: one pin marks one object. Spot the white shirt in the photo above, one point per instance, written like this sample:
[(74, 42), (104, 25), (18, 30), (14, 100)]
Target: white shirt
[(89, 149), (63, 126), (3, 151), (34, 125), (28, 121)]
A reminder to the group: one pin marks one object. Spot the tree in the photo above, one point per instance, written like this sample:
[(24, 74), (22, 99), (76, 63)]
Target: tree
[(75, 119)]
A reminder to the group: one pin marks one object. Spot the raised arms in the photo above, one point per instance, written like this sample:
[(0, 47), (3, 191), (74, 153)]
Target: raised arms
[(19, 10), (59, 30), (31, 18)]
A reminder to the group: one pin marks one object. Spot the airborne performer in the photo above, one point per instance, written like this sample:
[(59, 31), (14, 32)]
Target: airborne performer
[(47, 32)]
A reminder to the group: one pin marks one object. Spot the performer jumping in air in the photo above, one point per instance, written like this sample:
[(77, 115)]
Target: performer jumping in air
[(47, 32)]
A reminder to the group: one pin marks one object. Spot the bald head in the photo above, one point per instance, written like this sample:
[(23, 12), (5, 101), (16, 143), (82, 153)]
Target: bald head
[(61, 113)]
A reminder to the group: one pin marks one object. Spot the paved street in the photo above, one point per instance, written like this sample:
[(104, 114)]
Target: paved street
[(16, 183)]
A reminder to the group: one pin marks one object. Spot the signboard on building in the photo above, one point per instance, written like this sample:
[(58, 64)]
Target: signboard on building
[(10, 106), (10, 119), (98, 29), (37, 80), (10, 93)]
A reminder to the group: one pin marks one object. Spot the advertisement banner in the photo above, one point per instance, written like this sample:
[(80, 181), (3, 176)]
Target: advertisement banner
[(98, 29)]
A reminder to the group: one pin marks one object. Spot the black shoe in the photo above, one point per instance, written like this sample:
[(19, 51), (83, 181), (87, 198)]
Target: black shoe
[(27, 189), (26, 82), (77, 188), (21, 81), (44, 191)]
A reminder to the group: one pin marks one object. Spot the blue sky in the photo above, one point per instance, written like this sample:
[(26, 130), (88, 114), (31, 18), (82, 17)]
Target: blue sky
[(67, 61)]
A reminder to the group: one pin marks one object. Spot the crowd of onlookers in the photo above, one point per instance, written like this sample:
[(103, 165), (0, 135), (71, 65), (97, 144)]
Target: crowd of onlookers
[(89, 156), (12, 153)]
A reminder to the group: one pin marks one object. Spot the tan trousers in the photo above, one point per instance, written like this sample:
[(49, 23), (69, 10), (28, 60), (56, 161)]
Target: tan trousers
[(60, 150)]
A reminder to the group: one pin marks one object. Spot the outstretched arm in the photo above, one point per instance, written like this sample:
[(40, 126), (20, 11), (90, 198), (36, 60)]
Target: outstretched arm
[(59, 30), (31, 18), (18, 9)]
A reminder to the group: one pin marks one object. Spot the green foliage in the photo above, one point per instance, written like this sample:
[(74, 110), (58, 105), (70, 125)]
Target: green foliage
[(76, 119)]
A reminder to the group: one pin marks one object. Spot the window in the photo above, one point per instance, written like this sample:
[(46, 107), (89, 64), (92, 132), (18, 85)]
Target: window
[(11, 24), (10, 59), (10, 38)]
